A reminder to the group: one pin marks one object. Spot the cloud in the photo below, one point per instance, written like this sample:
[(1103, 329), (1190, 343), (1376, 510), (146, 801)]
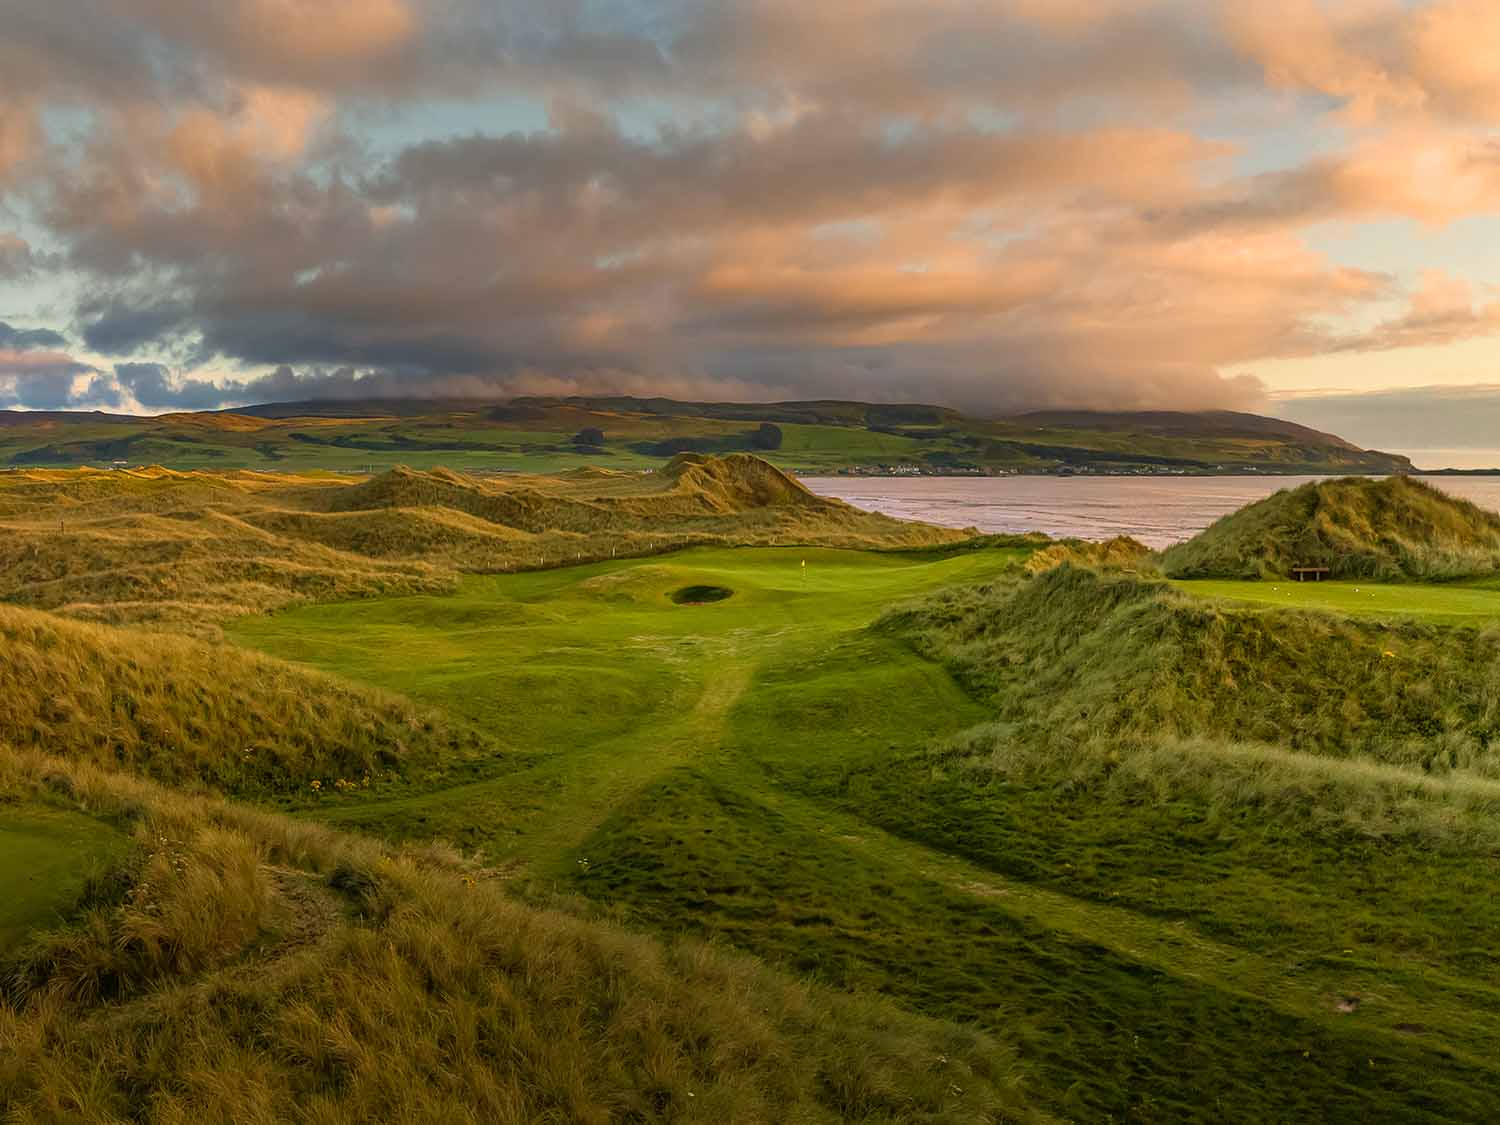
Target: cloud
[(43, 379), (34, 373), (1001, 205), (1442, 310), (1429, 417), (19, 340), (16, 259)]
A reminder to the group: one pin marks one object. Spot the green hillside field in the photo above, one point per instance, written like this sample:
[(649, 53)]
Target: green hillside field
[(542, 435)]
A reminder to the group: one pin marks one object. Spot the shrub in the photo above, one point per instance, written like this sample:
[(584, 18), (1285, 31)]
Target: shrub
[(767, 437)]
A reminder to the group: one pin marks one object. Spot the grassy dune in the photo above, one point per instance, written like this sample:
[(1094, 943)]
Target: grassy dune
[(186, 551), (1387, 530), (1082, 657), (187, 712)]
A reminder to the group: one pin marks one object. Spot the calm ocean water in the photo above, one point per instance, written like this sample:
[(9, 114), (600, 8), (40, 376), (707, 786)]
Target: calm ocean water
[(1156, 510)]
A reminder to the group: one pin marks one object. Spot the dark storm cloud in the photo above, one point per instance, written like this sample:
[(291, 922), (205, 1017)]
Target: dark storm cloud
[(119, 327), (16, 339)]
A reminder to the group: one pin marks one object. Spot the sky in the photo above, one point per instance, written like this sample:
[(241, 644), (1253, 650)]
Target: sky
[(1286, 206)]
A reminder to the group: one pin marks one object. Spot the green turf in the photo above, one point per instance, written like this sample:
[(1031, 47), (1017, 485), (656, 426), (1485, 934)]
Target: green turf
[(46, 856), (594, 671), (1445, 603), (768, 771)]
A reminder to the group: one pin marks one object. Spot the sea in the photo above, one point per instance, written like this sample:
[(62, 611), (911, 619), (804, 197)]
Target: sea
[(1158, 511)]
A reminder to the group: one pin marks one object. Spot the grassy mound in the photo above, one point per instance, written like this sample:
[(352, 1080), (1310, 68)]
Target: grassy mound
[(1120, 553), (188, 550), (184, 711), (1076, 656), (244, 966), (1386, 529)]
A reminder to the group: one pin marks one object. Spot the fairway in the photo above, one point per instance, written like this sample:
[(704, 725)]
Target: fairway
[(48, 854), (760, 770), (1455, 603), (598, 682)]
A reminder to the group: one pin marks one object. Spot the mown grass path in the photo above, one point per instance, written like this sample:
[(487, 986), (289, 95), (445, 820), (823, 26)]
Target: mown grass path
[(699, 767)]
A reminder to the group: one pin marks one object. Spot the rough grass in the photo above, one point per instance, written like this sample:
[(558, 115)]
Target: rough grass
[(188, 712), (1075, 656), (1390, 529), (186, 551), (242, 967), (1119, 553), (1171, 859)]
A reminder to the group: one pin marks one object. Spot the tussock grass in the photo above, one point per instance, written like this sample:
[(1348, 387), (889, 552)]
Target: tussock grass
[(402, 988), (184, 711), (1120, 553), (1390, 529)]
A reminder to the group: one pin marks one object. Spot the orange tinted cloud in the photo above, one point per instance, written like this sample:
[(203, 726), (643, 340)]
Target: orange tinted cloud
[(994, 202)]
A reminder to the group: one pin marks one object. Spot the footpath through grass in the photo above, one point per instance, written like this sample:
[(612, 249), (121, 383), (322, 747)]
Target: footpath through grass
[(762, 770)]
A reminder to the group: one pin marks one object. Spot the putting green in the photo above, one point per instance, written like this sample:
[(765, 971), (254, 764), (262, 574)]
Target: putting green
[(47, 856), (1446, 604)]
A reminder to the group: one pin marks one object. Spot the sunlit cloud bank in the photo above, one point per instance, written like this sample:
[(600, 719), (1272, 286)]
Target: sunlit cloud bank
[(998, 205)]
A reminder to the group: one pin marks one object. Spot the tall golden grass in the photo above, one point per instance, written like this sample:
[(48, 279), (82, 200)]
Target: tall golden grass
[(250, 968), (185, 711)]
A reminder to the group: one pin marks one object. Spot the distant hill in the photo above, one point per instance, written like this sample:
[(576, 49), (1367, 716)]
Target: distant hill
[(1377, 529), (552, 434), (1176, 423)]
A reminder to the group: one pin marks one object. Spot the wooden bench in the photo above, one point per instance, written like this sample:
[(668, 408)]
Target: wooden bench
[(1312, 573)]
